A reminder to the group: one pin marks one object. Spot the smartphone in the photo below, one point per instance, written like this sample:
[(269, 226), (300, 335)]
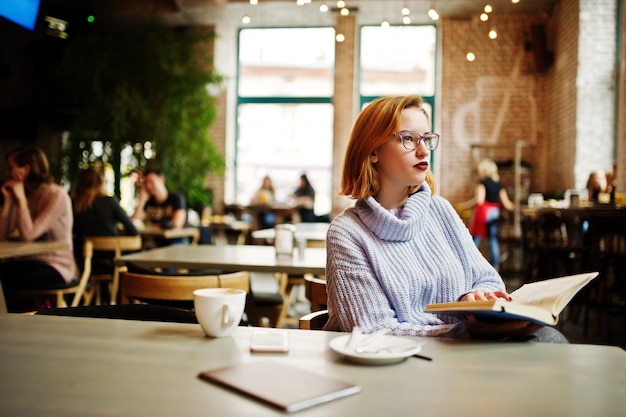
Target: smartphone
[(269, 341)]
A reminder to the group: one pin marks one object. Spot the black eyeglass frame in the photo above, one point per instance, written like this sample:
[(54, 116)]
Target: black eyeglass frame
[(431, 140)]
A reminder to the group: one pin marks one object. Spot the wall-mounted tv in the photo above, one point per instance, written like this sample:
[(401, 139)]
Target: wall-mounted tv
[(22, 12)]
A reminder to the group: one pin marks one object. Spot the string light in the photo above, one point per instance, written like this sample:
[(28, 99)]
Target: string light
[(470, 56), (245, 20), (323, 7), (340, 37), (385, 23), (254, 2), (484, 17), (493, 34), (432, 13), (488, 8), (341, 4)]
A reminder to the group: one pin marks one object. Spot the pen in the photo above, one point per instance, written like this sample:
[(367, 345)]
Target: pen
[(426, 358)]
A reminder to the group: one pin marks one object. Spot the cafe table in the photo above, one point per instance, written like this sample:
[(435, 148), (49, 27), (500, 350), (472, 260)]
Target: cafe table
[(229, 258), (18, 249), (69, 366), (155, 232), (311, 232)]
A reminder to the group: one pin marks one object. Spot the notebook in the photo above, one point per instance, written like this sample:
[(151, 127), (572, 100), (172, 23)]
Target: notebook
[(283, 386)]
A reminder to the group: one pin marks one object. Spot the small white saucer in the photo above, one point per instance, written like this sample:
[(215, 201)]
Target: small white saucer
[(384, 351)]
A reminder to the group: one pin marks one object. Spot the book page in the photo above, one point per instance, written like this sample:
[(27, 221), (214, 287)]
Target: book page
[(551, 294)]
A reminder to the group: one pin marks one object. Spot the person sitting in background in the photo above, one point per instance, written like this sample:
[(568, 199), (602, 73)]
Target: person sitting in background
[(264, 197), (304, 200), (159, 208), (95, 213), (401, 246), (488, 195), (596, 184), (39, 210)]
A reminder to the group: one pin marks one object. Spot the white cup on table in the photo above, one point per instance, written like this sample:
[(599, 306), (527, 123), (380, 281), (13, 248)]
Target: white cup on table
[(219, 310)]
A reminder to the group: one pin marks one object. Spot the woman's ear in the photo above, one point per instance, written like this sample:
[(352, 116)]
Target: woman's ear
[(373, 157)]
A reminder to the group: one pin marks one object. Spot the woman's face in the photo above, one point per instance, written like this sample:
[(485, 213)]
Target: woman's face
[(15, 172), (398, 168)]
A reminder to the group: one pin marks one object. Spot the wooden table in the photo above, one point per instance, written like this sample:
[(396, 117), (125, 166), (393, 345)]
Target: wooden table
[(18, 249), (155, 232), (67, 366), (229, 258)]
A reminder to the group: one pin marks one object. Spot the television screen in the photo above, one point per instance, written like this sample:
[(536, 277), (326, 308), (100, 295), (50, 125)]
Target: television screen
[(22, 12)]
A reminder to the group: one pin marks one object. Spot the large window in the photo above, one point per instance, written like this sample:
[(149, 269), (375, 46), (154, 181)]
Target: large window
[(285, 115)]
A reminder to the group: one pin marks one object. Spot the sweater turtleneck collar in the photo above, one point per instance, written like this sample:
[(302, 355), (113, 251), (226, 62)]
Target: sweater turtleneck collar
[(386, 225)]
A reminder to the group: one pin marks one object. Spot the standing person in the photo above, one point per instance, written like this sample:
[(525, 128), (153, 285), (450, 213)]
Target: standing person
[(160, 208), (95, 213), (401, 247), (488, 195), (38, 210), (304, 197)]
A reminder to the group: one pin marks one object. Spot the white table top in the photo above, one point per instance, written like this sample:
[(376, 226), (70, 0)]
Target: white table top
[(230, 258), (66, 366), (307, 231)]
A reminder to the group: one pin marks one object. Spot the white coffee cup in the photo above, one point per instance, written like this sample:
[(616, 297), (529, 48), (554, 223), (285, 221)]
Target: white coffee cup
[(219, 310)]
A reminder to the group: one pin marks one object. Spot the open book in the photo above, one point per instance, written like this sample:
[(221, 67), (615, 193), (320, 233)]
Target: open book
[(540, 302)]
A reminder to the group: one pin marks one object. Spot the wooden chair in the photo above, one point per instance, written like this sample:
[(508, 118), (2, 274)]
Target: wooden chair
[(115, 246), (77, 288), (315, 289), (144, 287), (272, 305)]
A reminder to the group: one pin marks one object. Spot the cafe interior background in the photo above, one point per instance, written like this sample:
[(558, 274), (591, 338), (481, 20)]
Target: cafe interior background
[(537, 85)]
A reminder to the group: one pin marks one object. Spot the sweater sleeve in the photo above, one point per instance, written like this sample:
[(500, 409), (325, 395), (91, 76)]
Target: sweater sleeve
[(355, 297), (50, 207)]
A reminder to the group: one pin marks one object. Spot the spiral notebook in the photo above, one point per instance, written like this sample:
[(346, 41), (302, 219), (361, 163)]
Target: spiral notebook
[(283, 386)]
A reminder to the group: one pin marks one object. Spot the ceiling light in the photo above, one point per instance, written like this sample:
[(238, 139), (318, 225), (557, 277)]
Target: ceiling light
[(484, 17), (470, 56), (254, 2), (432, 13), (406, 20), (340, 37), (341, 4), (493, 34), (405, 11), (323, 7), (488, 8), (385, 23), (245, 20)]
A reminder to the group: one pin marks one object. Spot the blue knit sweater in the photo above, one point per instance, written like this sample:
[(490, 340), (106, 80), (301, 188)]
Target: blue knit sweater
[(382, 268)]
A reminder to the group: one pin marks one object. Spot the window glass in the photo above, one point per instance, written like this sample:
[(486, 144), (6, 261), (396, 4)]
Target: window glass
[(397, 60), (286, 62), (284, 141)]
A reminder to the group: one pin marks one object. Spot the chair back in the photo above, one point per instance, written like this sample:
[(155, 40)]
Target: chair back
[(315, 290), (176, 287), (313, 321), (115, 244)]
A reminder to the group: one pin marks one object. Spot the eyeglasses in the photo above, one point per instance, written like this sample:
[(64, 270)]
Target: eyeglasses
[(411, 140)]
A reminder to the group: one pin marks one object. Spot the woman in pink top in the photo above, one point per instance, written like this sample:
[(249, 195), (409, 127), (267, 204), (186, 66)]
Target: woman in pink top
[(36, 209)]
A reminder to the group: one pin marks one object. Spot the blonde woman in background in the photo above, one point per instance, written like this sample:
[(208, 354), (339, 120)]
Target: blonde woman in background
[(488, 195)]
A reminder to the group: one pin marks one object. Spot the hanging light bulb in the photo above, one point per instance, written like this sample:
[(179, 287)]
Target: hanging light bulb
[(323, 7), (432, 13), (514, 1), (470, 56), (484, 17), (245, 20), (344, 12), (493, 34), (384, 23), (488, 8), (405, 11), (254, 2), (341, 4), (300, 2), (406, 20), (340, 37)]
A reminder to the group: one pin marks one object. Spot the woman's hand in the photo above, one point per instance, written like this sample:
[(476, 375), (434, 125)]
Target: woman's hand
[(14, 189), (497, 330), (484, 295)]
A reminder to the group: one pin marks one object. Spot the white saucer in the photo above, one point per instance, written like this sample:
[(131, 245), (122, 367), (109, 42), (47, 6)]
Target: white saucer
[(391, 349)]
